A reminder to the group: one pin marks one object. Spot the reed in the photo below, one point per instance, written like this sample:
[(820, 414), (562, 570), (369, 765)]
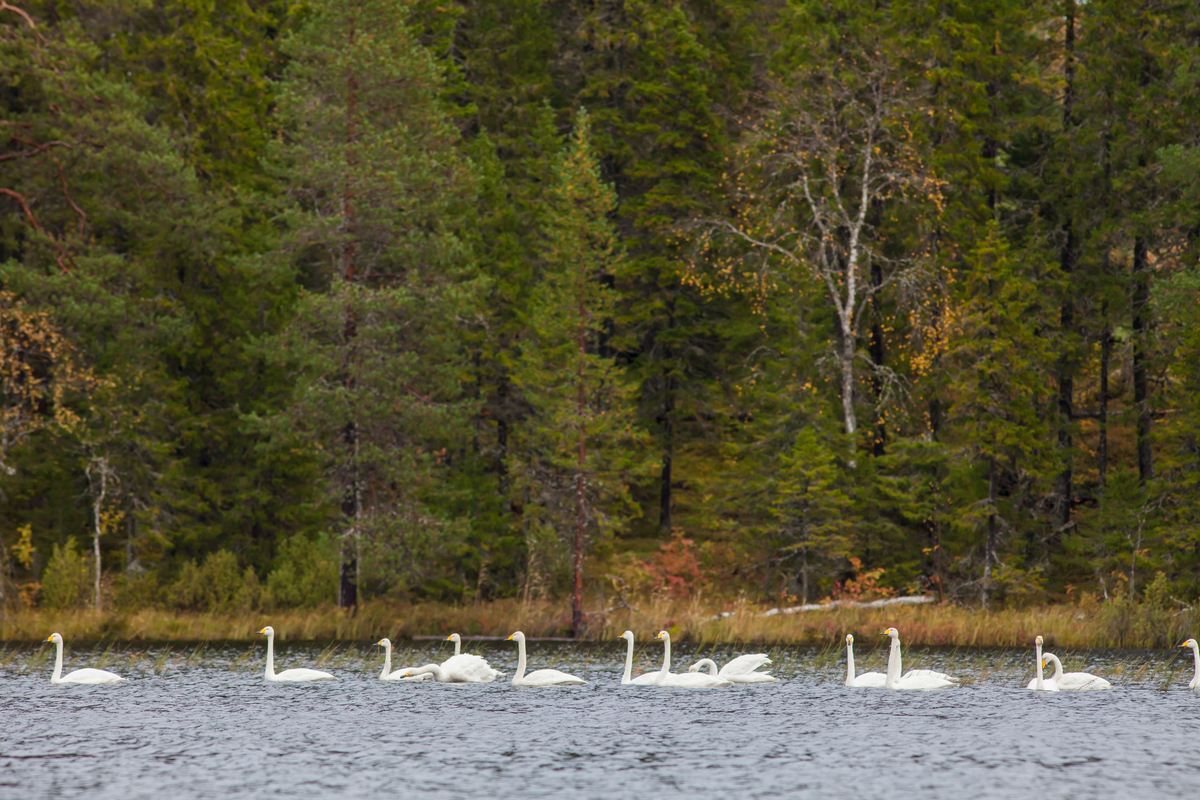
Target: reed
[(1117, 625)]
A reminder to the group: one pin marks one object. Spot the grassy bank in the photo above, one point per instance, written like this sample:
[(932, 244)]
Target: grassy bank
[(1097, 625)]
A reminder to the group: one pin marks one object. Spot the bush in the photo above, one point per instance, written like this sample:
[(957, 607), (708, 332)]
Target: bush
[(66, 582), (136, 592), (305, 575), (216, 585)]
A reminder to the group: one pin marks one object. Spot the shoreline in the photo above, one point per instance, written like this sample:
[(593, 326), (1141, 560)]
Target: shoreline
[(1096, 625)]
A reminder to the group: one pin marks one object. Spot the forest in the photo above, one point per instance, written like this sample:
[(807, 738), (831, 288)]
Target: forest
[(762, 301)]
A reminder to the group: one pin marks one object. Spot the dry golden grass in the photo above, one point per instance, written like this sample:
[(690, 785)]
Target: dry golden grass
[(1104, 625)]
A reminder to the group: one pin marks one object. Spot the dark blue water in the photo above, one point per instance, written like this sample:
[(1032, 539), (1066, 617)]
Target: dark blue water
[(192, 724)]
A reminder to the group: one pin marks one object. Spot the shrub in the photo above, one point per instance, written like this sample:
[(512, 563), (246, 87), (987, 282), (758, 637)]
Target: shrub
[(136, 592), (67, 579), (216, 585), (305, 575)]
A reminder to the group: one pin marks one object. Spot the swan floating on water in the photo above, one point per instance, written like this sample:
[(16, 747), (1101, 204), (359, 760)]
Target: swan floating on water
[(289, 675), (463, 668), (739, 670), (398, 675), (871, 680), (646, 679), (1195, 684), (687, 680), (87, 675), (1075, 681), (913, 679), (1039, 683), (539, 677)]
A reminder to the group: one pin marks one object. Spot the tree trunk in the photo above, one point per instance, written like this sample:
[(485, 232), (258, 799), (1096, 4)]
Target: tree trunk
[(1067, 259), (876, 351), (351, 510), (580, 499), (989, 554), (848, 415), (1140, 302), (1105, 354)]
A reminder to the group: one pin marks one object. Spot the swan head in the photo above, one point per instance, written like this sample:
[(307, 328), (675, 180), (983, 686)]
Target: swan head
[(892, 632), (849, 638), (269, 631), (454, 637), (57, 639), (1188, 643), (628, 635), (384, 643), (666, 637), (516, 637)]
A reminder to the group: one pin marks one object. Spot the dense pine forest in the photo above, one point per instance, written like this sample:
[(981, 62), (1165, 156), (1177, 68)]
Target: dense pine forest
[(312, 303)]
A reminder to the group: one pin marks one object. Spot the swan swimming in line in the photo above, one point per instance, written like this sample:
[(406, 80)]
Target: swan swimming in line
[(398, 675), (739, 670), (462, 668), (913, 679), (87, 675), (872, 680), (687, 680), (1075, 681), (539, 677), (289, 675), (1195, 684), (1039, 683), (646, 679)]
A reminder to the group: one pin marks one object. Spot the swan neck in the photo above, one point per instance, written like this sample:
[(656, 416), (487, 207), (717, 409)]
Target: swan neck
[(894, 666), (57, 676), (666, 667), (1196, 658), (270, 670), (849, 664), (520, 673), (710, 665), (457, 646), (1057, 667), (387, 662), (628, 662), (1038, 665)]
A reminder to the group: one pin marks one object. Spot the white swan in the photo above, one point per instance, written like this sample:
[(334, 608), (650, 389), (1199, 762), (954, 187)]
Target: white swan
[(646, 679), (687, 680), (539, 677), (1075, 681), (867, 679), (1195, 684), (913, 679), (289, 675), (454, 637), (398, 675), (79, 675), (1039, 683), (463, 668), (739, 670)]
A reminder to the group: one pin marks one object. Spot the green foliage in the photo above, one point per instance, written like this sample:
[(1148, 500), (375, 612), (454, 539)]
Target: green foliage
[(216, 585), (67, 579), (305, 575)]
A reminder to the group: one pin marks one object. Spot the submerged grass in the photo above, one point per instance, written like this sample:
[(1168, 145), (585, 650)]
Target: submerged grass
[(1107, 625)]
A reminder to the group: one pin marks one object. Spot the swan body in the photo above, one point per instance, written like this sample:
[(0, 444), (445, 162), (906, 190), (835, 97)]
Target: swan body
[(289, 675), (868, 680), (739, 670), (913, 679), (1195, 684), (539, 677), (1075, 681), (646, 679), (398, 675), (463, 668), (92, 676), (1039, 683), (687, 680)]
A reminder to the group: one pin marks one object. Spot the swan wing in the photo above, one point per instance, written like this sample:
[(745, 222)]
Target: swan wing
[(548, 677), (1082, 682), (646, 679), (750, 677), (89, 675), (693, 680), (870, 680), (303, 675), (928, 674), (743, 665), (465, 668)]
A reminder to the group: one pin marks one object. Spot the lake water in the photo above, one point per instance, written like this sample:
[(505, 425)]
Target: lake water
[(197, 722)]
